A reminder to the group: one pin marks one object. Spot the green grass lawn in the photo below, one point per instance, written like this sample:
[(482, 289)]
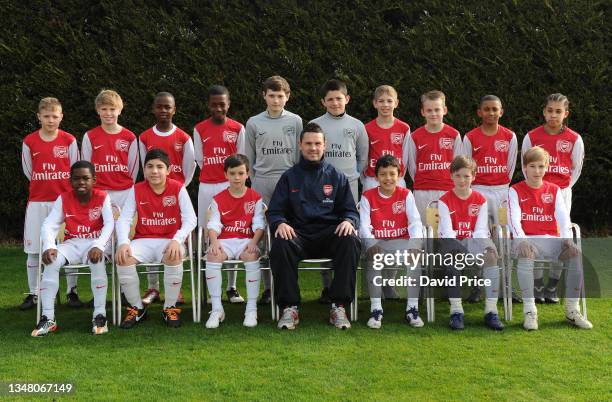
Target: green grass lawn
[(315, 362)]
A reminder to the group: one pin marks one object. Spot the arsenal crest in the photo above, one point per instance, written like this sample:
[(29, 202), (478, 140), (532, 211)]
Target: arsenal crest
[(547, 198), (502, 146), (349, 133), (60, 151), (169, 201), (398, 207), (564, 146), (230, 136), (396, 138), (473, 209), (249, 207), (328, 189), (446, 143), (122, 145), (178, 147), (95, 213), (289, 130)]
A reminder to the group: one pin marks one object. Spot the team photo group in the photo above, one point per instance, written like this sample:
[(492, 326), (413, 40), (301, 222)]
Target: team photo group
[(331, 188)]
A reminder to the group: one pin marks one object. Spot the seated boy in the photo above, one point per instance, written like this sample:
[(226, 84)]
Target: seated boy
[(235, 226), (464, 229), (389, 222), (89, 222), (165, 219), (541, 228)]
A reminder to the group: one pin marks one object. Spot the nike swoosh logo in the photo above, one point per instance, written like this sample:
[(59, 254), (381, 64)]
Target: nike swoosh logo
[(451, 212), (143, 202), (295, 190), (210, 277), (422, 146), (476, 149), (253, 280), (539, 145), (206, 139), (374, 142), (374, 209), (524, 199), (35, 153), (98, 146), (69, 215), (175, 283), (100, 286), (225, 213)]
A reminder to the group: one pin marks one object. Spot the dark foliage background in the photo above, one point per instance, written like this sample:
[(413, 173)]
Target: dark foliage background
[(520, 50)]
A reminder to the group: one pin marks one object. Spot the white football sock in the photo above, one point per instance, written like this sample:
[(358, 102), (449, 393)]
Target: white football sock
[(455, 305), (173, 278), (99, 285), (525, 274), (32, 269), (231, 279), (373, 280), (252, 284), (492, 291), (573, 285), (153, 279), (49, 286), (375, 303), (413, 291), (130, 284), (213, 283)]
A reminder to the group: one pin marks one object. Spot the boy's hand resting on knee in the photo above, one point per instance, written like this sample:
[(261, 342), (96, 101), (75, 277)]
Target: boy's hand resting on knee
[(49, 256), (252, 248), (215, 248), (172, 251), (95, 255), (123, 254), (568, 251), (526, 250)]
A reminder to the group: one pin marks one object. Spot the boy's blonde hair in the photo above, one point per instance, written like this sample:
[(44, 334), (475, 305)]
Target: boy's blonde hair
[(276, 83), (536, 154), (385, 90), (109, 97), (558, 98), (432, 96), (49, 104), (463, 161)]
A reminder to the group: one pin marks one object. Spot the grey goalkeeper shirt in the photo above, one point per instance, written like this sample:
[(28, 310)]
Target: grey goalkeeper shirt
[(347, 143), (272, 143)]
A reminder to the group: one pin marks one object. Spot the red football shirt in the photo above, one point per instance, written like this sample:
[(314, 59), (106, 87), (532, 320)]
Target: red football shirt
[(491, 154), (109, 154), (538, 208), (159, 215), (463, 213), (172, 144), (83, 221), (236, 213), (386, 141), (434, 154), (218, 142), (388, 215)]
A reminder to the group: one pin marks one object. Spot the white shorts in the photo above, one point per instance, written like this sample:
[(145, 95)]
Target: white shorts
[(75, 250), (36, 212), (233, 247), (495, 196), (118, 197), (368, 183), (566, 193), (265, 186), (151, 251), (547, 247), (422, 199), (206, 192)]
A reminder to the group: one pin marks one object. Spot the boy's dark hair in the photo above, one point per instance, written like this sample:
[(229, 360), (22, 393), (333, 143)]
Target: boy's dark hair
[(276, 83), (333, 85), (235, 161), (157, 153), (489, 98), (163, 95), (312, 128), (83, 165), (386, 161), (218, 90)]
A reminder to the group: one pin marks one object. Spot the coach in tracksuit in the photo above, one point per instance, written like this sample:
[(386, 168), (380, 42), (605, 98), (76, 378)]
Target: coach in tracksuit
[(312, 214)]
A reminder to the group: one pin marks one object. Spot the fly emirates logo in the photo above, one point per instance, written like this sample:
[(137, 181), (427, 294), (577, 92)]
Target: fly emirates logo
[(390, 231), (158, 219), (239, 226), (49, 173), (111, 164), (537, 215), (435, 163)]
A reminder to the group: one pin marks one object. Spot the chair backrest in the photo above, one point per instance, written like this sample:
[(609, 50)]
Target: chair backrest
[(502, 213), (431, 216)]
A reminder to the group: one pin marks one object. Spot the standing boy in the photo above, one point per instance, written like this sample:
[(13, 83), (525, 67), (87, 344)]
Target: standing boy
[(178, 145), (46, 157), (272, 139), (215, 139)]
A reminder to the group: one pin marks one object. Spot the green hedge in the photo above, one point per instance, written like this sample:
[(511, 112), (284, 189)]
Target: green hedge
[(520, 50)]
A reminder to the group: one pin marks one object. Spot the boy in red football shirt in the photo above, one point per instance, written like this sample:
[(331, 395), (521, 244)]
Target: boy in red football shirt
[(178, 145), (388, 222), (112, 149), (215, 139), (89, 225), (165, 219), (431, 148), (541, 227), (464, 227), (46, 157), (236, 225)]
